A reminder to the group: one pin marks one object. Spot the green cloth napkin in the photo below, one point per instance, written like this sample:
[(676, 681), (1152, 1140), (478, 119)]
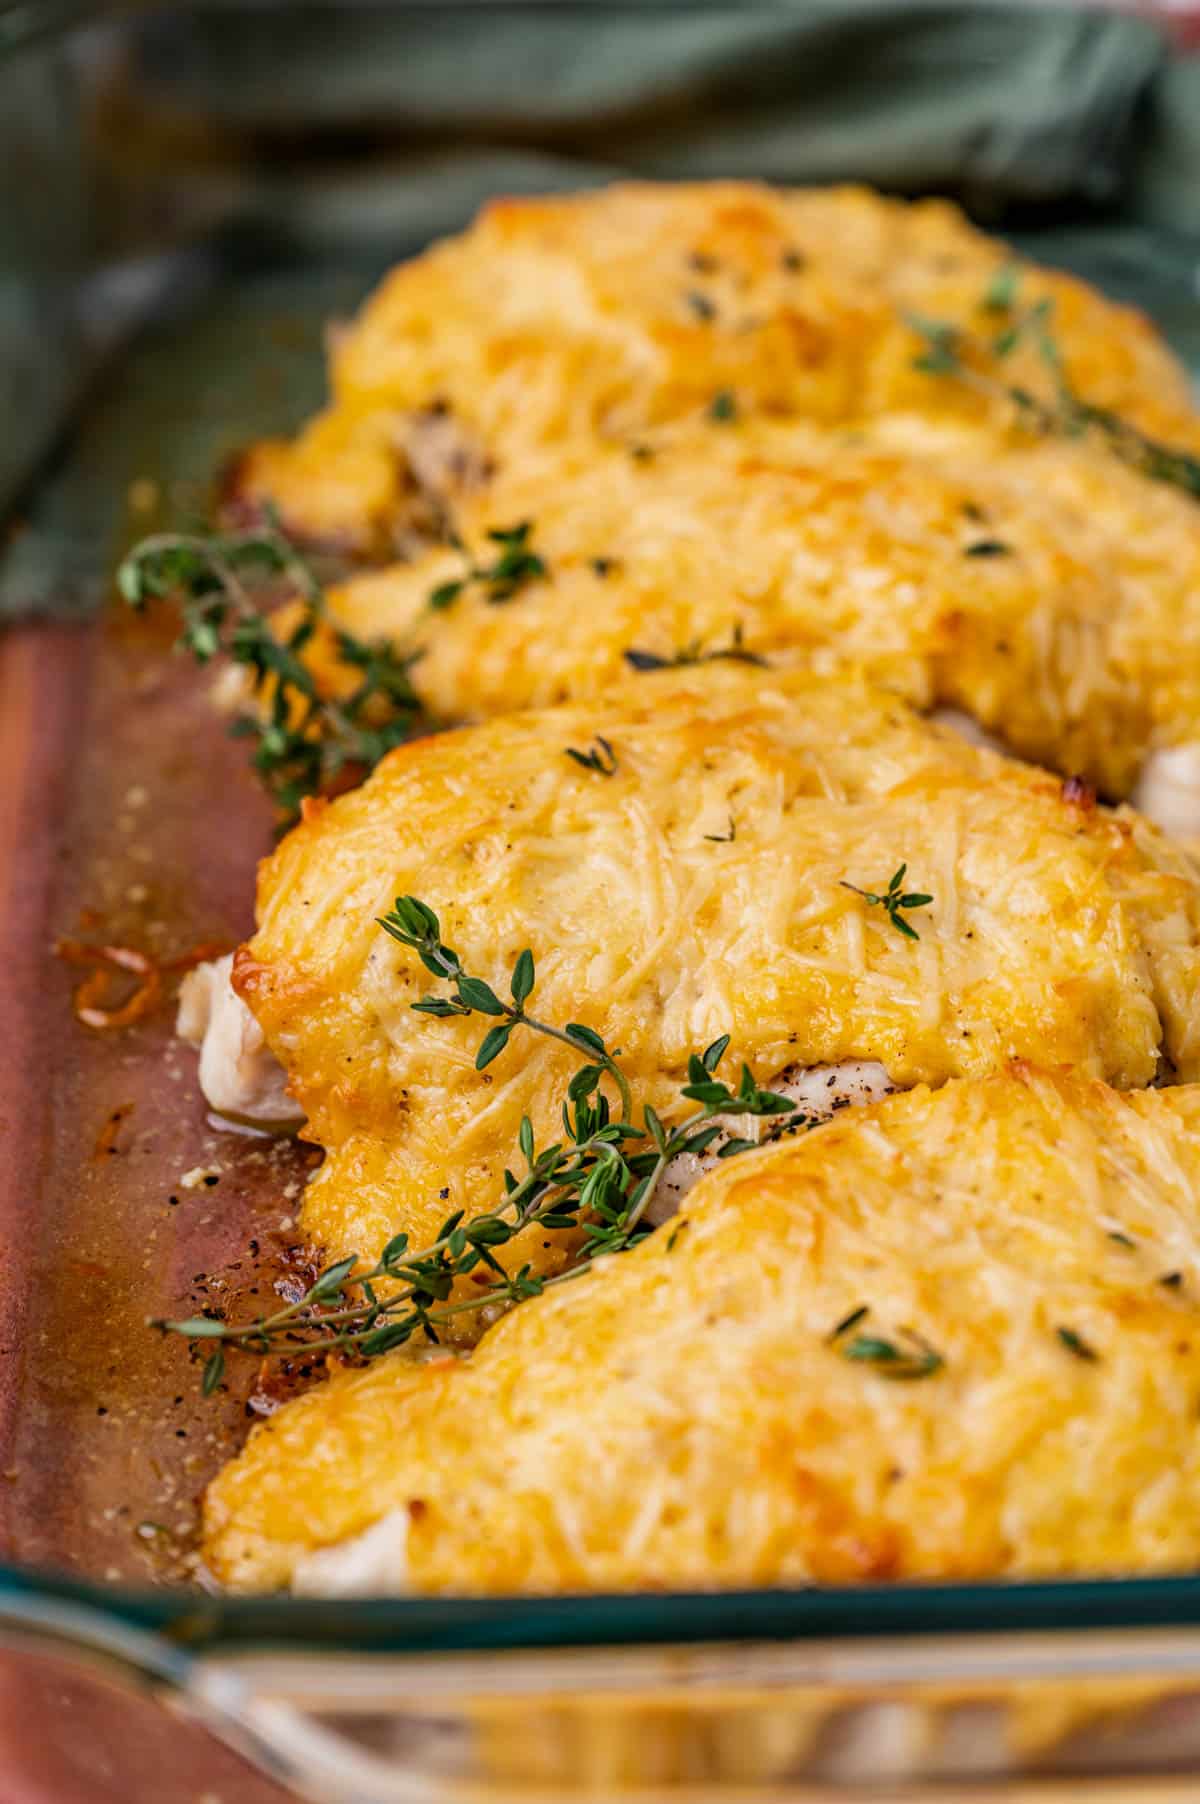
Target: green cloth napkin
[(358, 131), (325, 139), (1006, 106)]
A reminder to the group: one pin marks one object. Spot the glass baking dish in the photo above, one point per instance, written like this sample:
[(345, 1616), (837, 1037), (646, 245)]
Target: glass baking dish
[(179, 305)]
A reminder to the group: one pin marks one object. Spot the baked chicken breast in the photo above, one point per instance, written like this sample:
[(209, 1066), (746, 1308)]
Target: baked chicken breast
[(1044, 589), (950, 1336), (609, 312), (683, 876)]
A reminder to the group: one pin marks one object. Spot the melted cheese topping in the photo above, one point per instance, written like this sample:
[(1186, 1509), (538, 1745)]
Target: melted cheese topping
[(612, 311), (1058, 932), (681, 1417), (1045, 590)]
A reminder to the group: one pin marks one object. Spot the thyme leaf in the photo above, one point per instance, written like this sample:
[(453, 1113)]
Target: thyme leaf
[(1075, 1343), (1002, 289), (598, 757), (902, 1356), (515, 564), (694, 652)]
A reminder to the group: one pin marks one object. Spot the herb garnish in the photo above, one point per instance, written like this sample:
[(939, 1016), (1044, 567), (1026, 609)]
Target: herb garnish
[(598, 757), (1001, 291), (596, 1184), (693, 653), (988, 548), (847, 1322), (516, 564), (1075, 1343), (892, 900), (305, 742), (723, 406), (909, 1355), (413, 923), (949, 351)]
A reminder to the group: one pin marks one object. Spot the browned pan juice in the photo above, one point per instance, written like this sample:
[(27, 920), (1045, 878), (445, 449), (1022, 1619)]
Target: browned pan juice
[(128, 818)]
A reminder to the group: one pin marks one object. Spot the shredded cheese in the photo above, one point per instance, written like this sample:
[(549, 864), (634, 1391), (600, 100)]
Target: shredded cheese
[(686, 1415), (1058, 932)]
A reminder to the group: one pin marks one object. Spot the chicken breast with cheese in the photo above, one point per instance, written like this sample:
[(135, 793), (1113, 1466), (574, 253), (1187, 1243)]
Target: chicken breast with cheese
[(609, 312), (953, 1336), (676, 858), (1045, 590)]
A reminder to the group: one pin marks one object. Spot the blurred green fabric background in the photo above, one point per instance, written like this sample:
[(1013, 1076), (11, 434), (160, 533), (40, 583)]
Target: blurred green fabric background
[(357, 131), (157, 158), (1010, 107)]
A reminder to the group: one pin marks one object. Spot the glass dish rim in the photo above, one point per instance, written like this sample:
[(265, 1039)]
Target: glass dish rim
[(204, 1622)]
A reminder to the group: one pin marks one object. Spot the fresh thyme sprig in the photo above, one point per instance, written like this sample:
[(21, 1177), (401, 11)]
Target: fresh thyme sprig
[(596, 1184), (516, 564), (304, 742), (413, 923), (951, 351), (695, 653), (892, 900)]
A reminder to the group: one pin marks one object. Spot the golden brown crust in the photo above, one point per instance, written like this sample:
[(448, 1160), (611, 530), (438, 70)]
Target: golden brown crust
[(682, 1417), (1040, 587), (611, 312), (1065, 934)]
